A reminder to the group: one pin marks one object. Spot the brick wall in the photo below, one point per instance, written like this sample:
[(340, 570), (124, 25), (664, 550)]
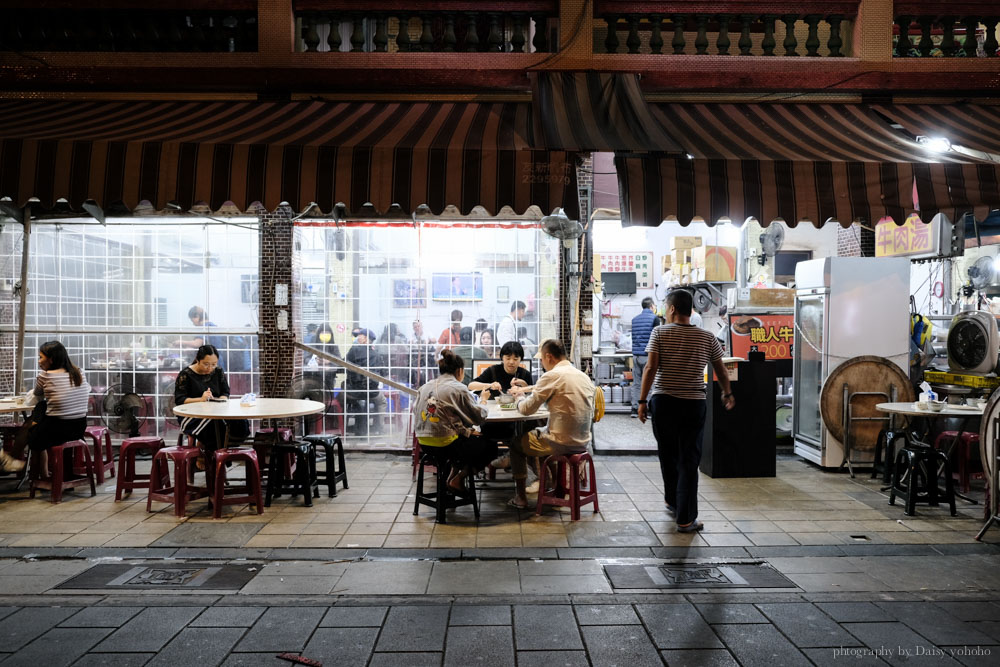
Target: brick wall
[(277, 352), (855, 241)]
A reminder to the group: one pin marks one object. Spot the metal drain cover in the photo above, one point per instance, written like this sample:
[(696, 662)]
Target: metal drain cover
[(697, 575), (161, 576)]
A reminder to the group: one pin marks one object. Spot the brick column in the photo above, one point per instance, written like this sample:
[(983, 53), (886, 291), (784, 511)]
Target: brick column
[(277, 352), (855, 241)]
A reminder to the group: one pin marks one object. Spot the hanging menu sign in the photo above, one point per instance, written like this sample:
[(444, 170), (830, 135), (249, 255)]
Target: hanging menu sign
[(913, 237), (771, 334)]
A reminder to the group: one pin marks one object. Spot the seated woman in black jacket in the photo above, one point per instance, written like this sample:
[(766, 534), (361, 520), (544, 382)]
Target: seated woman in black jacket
[(202, 381)]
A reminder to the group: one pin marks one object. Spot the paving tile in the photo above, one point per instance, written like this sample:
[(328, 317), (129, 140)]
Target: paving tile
[(385, 578), (552, 659), (60, 647), (198, 646), (253, 660), (677, 626), (7, 611), (416, 628), (730, 613), (854, 612), (831, 657), (282, 629), (209, 535), (20, 628), (814, 565), (484, 645), (762, 645), (406, 660), (116, 660), (228, 617), (806, 625), (565, 585), (149, 630), (480, 615), (978, 610), (100, 617), (606, 614), (341, 646), (935, 624), (897, 644), (474, 577), (991, 628), (837, 582), (317, 585), (533, 626), (354, 617), (611, 534), (560, 567), (705, 657), (620, 646)]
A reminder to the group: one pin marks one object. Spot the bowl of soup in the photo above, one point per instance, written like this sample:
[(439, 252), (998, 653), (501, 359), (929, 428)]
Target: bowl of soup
[(742, 325)]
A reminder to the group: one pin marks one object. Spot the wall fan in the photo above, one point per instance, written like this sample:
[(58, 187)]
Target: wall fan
[(559, 226), (770, 242)]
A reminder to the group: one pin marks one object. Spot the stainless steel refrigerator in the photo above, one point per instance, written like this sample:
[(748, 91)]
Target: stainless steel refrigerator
[(844, 307)]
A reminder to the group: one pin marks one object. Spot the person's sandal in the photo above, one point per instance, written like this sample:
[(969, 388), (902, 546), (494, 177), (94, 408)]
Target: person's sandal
[(692, 527), (516, 505)]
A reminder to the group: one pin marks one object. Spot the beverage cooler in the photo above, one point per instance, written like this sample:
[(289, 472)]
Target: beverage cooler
[(844, 307)]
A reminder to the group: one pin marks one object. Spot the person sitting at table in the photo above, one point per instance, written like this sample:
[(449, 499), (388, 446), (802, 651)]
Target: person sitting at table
[(66, 394), (362, 390), (485, 343), (446, 415), (570, 397), (451, 336), (499, 378), (200, 382)]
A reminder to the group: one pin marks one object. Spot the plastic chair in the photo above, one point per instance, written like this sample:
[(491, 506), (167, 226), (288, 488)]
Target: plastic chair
[(248, 492), (336, 468), (303, 474), (61, 461), (963, 451), (581, 489), (914, 476), (443, 498), (182, 491), (104, 457), (128, 479)]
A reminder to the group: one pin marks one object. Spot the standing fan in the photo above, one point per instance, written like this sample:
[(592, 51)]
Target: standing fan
[(123, 412), (310, 390)]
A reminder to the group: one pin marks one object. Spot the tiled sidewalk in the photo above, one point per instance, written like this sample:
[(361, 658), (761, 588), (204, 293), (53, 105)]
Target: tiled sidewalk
[(801, 506)]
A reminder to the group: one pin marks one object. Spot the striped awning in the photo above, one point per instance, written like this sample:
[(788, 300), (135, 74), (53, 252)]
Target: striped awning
[(794, 162), (966, 125), (409, 154)]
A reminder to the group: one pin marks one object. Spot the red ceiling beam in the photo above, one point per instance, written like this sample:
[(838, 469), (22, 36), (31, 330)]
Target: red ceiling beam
[(801, 7)]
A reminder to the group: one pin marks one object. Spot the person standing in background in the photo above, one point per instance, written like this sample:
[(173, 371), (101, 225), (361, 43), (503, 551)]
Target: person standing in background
[(507, 329), (642, 327)]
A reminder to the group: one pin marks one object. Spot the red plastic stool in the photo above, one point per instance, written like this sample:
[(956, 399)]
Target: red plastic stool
[(250, 490), (963, 454), (581, 491), (104, 461), (61, 461), (181, 492), (127, 477)]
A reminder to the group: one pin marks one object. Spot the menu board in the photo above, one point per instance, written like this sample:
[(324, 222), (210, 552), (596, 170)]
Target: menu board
[(771, 334), (641, 263)]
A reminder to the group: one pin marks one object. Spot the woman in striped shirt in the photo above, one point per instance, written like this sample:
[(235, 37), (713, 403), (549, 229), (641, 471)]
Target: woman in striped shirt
[(66, 394)]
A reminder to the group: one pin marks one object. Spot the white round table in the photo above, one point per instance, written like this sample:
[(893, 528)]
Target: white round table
[(11, 407), (910, 409), (498, 414), (266, 408)]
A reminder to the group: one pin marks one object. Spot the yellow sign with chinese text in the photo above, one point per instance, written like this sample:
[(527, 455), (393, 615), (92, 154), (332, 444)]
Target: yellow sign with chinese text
[(913, 237)]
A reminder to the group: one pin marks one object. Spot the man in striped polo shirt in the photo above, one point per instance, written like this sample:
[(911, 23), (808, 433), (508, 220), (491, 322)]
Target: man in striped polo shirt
[(678, 353)]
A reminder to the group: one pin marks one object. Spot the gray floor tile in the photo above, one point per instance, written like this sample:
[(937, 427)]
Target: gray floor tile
[(100, 617), (480, 615), (677, 626), (831, 657), (116, 660), (611, 534), (198, 646), (385, 578), (762, 645), (345, 647), (406, 660), (806, 626), (695, 657), (209, 535), (730, 613), (474, 577), (565, 585), (533, 627), (417, 628), (854, 612), (7, 611), (59, 647), (354, 617), (978, 610), (606, 614), (559, 567), (991, 628), (482, 645), (552, 659), (149, 630), (620, 646), (935, 624), (282, 629), (228, 617), (253, 660), (23, 626), (896, 643)]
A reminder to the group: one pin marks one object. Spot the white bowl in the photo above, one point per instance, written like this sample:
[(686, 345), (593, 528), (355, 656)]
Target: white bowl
[(936, 406)]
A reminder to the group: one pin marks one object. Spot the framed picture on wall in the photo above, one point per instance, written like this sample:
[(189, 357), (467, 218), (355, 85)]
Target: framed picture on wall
[(503, 294), (457, 287), (409, 293)]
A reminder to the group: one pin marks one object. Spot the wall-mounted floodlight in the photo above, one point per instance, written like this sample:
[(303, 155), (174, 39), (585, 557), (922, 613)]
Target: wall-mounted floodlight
[(934, 144)]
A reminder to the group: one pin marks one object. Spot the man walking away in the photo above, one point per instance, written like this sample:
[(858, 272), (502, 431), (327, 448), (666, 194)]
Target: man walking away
[(678, 352), (642, 326)]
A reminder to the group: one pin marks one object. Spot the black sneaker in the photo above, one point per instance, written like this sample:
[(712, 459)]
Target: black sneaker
[(635, 414)]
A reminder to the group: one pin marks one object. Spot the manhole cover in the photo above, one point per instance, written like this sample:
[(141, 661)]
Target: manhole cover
[(697, 575), (132, 576)]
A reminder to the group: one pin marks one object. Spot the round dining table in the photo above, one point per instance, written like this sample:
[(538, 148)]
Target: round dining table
[(10, 408)]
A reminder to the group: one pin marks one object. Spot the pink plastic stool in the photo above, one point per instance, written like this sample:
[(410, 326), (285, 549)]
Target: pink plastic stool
[(128, 479), (104, 461), (250, 491), (60, 461), (181, 492), (581, 491)]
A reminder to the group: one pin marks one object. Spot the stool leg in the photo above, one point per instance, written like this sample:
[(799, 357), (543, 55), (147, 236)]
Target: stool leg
[(574, 491), (119, 490), (442, 491), (543, 470), (56, 463), (341, 462), (313, 473), (180, 487), (912, 488), (331, 471), (949, 486), (420, 487), (303, 474), (90, 471), (472, 494), (273, 475), (593, 485), (253, 484), (220, 484), (109, 453)]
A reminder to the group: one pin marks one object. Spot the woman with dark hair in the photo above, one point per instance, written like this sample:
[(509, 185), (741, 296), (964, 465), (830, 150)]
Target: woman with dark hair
[(66, 396), (498, 378), (204, 381), (446, 416)]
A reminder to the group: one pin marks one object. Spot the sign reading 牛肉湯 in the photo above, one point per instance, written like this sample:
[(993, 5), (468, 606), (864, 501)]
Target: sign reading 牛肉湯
[(913, 237)]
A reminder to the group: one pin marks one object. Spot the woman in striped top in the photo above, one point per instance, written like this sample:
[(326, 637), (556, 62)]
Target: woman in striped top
[(66, 394)]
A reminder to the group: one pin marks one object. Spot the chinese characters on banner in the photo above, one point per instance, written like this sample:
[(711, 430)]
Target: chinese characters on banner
[(913, 237), (771, 334)]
